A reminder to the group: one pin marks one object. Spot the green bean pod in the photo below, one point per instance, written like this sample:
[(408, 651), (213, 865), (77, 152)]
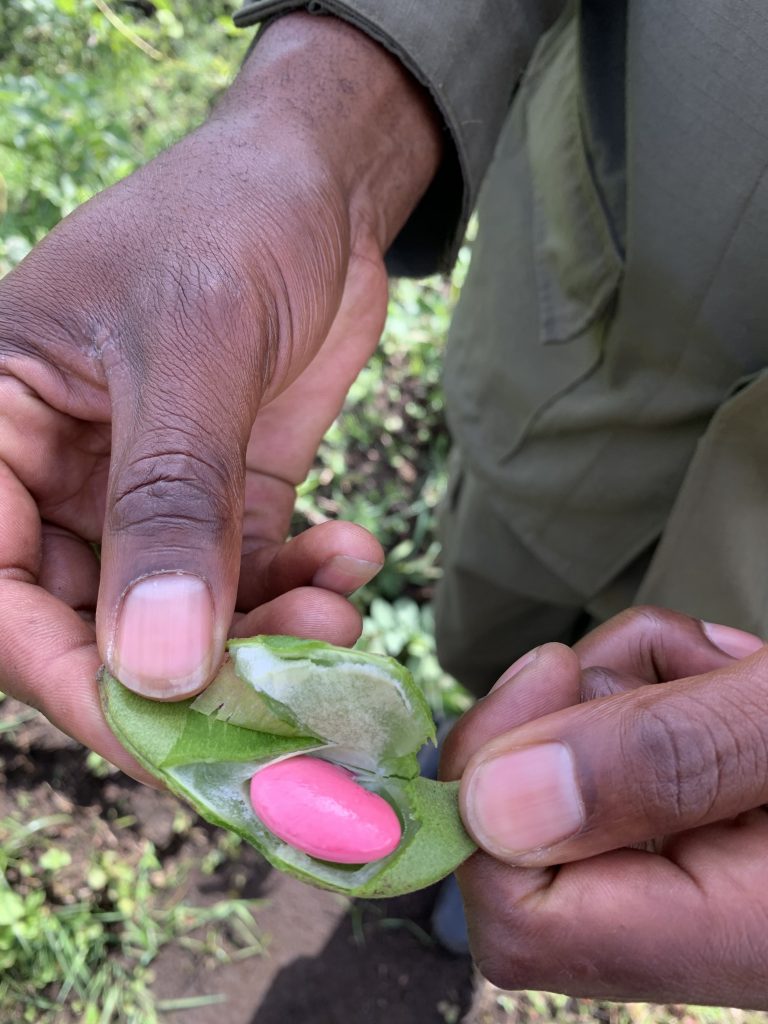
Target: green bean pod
[(278, 696)]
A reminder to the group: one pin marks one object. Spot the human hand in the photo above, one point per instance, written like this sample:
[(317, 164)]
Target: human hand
[(558, 792), (171, 355)]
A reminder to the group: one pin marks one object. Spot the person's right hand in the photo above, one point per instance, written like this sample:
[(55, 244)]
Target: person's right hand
[(171, 355)]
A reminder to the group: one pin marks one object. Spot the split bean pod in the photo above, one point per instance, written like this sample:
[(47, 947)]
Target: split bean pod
[(308, 752)]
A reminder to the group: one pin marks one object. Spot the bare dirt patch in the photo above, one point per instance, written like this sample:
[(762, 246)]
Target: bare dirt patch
[(326, 960)]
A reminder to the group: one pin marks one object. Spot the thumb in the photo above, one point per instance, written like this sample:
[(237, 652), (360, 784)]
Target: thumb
[(623, 770), (172, 534)]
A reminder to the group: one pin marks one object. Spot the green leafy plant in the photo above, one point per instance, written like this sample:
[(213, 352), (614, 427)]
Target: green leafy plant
[(405, 629), (276, 697), (91, 90), (83, 936)]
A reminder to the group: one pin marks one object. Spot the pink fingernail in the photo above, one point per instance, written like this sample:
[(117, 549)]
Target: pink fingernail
[(736, 642), (524, 800), (164, 644), (344, 574), (515, 668)]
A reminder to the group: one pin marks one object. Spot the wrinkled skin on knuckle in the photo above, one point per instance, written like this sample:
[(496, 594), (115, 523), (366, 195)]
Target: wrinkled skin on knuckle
[(671, 762), (203, 292), (735, 725), (654, 640), (648, 626), (305, 264), (177, 490), (598, 682), (638, 620), (223, 332), (643, 616)]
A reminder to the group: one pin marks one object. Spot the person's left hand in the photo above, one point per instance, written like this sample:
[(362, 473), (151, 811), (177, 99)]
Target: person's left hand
[(557, 793)]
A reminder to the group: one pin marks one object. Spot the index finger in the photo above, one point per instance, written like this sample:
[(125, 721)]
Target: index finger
[(658, 645), (48, 655), (515, 700)]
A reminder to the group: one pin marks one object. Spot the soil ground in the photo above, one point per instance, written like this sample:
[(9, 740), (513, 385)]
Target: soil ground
[(326, 960)]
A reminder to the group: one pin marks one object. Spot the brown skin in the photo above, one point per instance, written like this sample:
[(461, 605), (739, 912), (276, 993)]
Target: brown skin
[(681, 919), (237, 280)]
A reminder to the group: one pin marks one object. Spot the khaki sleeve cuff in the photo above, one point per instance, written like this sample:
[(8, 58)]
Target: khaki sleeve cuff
[(469, 55)]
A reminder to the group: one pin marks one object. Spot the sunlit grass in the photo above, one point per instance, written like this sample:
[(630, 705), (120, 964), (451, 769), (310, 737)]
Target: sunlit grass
[(92, 958)]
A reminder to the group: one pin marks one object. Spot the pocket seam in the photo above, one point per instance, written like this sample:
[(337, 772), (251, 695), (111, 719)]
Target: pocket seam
[(575, 280)]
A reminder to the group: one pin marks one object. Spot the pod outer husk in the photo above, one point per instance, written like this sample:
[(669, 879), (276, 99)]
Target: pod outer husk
[(208, 762)]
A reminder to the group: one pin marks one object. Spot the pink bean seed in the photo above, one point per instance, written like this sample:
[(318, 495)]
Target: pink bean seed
[(319, 808)]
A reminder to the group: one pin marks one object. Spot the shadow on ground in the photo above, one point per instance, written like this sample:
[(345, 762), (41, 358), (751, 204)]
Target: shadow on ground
[(327, 961), (378, 966)]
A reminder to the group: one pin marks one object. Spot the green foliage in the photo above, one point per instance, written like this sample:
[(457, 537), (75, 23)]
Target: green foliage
[(90, 90), (383, 462), (83, 935), (404, 629)]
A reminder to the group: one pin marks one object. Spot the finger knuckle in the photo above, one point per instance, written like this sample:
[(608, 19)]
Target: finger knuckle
[(654, 624), (195, 313), (499, 959), (673, 760), (496, 967), (175, 490), (597, 682), (645, 616)]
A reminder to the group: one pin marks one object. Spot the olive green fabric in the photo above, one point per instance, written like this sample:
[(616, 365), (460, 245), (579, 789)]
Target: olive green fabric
[(588, 356), (496, 600), (614, 309), (713, 557)]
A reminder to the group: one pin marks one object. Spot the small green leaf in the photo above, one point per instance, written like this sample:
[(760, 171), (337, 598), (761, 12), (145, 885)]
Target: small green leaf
[(55, 858), (11, 907)]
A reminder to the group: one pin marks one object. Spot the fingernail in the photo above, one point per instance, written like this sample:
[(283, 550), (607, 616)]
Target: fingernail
[(524, 800), (164, 642), (344, 574), (735, 642), (515, 668)]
